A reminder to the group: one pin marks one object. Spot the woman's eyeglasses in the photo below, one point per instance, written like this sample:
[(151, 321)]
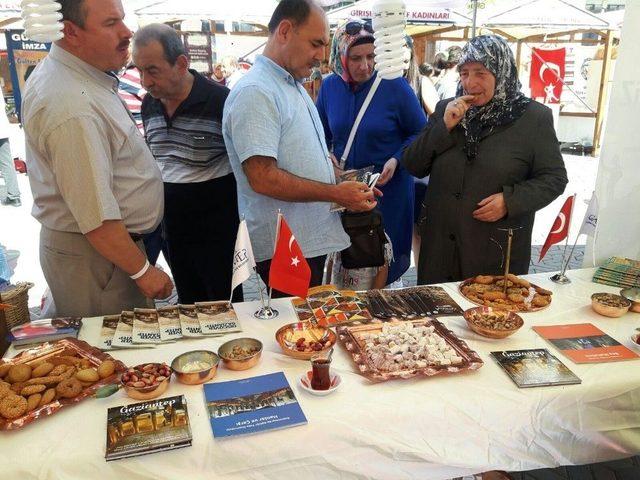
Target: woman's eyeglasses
[(353, 28)]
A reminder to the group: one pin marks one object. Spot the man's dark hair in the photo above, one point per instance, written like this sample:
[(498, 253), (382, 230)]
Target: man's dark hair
[(296, 11), (172, 45), (74, 11)]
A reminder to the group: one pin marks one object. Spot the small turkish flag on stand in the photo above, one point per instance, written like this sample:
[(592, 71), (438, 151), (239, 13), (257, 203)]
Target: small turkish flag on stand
[(289, 272), (560, 229)]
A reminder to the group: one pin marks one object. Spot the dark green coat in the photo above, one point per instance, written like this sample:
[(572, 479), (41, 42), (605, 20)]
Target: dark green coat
[(521, 159)]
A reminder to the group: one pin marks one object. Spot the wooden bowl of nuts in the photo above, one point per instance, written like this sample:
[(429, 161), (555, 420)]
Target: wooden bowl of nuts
[(610, 305), (492, 322), (302, 340), (240, 353), (146, 381)]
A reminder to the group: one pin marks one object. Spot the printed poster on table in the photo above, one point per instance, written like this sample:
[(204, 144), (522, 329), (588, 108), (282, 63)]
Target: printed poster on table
[(252, 405), (585, 343)]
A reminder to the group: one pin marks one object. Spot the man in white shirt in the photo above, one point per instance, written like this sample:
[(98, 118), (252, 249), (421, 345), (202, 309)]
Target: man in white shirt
[(96, 187), (7, 167)]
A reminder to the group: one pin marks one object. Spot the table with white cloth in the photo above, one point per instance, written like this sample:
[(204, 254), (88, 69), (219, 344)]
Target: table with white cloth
[(427, 428)]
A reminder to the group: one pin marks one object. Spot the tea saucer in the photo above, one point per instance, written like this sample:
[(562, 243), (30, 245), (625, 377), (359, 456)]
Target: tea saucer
[(305, 383)]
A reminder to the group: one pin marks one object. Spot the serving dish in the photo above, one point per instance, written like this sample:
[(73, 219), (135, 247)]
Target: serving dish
[(361, 343), (493, 322), (610, 304), (59, 352), (521, 296), (195, 367), (302, 340), (240, 353)]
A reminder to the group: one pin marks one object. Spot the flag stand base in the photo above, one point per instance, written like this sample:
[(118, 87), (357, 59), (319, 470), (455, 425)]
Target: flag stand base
[(560, 278), (266, 313)]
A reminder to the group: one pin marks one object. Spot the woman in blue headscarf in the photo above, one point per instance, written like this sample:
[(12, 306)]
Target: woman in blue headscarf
[(390, 123), (494, 160)]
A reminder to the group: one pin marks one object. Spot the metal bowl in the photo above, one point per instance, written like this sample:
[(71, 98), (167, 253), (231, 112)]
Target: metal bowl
[(149, 392), (233, 362), (185, 366), (490, 332), (288, 335), (633, 295), (610, 304)]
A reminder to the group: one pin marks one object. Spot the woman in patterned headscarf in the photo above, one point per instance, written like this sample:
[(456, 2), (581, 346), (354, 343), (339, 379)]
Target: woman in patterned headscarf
[(494, 160), (393, 118)]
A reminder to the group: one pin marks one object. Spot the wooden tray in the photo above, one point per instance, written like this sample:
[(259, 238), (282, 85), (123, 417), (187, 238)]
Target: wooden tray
[(66, 346), (352, 340), (513, 307)]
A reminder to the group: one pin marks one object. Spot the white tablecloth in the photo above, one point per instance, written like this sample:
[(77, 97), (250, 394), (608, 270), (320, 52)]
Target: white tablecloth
[(427, 428)]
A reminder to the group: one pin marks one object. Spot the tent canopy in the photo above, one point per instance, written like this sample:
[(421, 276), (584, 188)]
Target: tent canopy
[(528, 18), (418, 11), (544, 14), (250, 11), (9, 13)]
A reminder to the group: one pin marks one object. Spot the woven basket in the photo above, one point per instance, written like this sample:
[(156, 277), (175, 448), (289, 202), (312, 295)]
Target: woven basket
[(18, 300)]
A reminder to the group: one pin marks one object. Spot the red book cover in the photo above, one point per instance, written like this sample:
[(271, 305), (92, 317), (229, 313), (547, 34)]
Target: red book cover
[(585, 343)]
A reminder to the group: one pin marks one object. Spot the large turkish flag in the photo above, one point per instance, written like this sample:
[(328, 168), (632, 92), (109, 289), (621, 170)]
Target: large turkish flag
[(547, 74), (289, 272), (560, 229)]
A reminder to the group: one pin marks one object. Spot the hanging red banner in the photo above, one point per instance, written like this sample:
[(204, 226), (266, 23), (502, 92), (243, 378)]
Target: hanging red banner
[(547, 74)]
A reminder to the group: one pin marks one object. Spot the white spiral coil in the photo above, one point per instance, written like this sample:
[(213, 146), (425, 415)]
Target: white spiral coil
[(42, 20), (389, 20)]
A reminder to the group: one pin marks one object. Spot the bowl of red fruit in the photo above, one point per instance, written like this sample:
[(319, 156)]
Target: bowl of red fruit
[(302, 340)]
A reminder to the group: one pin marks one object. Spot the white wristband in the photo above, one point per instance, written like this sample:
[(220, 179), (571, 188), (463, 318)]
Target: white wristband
[(142, 271)]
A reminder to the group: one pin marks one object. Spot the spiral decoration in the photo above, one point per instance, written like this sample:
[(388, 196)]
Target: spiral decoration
[(42, 20), (389, 20)]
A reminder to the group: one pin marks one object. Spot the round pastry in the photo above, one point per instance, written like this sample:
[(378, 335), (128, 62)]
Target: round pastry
[(515, 298), (48, 396), (88, 375), (5, 390), (543, 291), (484, 279), (540, 300), (106, 369), (609, 304), (4, 369), (69, 388), (631, 294), (58, 370), (13, 406), (33, 401), (69, 373), (17, 387), (491, 296), (42, 370), (19, 373), (31, 389), (45, 380)]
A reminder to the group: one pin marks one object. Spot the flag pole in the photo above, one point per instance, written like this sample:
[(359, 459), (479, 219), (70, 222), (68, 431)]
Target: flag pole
[(274, 252), (566, 265), (266, 312), (561, 278), (242, 219)]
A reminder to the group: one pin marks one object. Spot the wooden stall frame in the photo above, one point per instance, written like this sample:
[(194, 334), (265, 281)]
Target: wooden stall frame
[(605, 38)]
